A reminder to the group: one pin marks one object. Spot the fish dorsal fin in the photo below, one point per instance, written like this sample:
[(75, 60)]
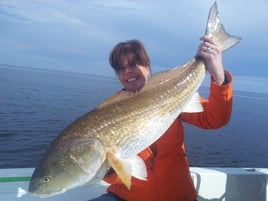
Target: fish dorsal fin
[(157, 80), (172, 76), (119, 96)]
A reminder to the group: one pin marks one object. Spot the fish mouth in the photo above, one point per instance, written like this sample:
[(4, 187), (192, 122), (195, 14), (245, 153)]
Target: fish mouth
[(46, 195)]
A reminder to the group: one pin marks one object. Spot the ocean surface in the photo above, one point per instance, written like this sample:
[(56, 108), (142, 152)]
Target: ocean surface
[(36, 105)]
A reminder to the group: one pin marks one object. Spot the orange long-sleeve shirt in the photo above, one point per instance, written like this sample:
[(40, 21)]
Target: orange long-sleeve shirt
[(168, 177)]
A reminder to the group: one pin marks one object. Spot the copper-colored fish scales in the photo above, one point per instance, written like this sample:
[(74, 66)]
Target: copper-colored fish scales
[(114, 132), (136, 115)]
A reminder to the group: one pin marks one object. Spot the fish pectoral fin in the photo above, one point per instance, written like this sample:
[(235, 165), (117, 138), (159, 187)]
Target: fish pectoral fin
[(138, 168), (125, 168), (194, 104)]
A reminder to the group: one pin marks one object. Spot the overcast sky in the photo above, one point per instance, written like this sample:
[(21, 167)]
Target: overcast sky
[(77, 36)]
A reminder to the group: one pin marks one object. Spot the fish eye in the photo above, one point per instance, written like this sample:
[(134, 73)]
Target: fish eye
[(46, 179)]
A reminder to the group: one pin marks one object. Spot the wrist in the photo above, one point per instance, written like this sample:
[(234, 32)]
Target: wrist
[(219, 78), (223, 81)]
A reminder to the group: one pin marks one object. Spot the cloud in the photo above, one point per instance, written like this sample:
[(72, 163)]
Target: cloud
[(50, 33)]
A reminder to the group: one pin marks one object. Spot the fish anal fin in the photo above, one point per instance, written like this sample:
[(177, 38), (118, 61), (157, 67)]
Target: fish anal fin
[(194, 104), (125, 168)]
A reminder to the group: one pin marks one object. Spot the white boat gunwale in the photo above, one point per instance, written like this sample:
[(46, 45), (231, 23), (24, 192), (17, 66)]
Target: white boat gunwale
[(212, 183)]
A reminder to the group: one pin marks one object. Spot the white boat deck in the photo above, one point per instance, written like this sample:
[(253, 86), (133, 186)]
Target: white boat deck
[(212, 184)]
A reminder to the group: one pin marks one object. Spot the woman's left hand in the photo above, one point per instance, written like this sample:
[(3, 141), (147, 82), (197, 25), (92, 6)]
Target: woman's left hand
[(212, 54)]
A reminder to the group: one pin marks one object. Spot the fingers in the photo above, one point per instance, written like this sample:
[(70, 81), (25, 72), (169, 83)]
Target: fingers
[(208, 48), (208, 40), (210, 51), (207, 51)]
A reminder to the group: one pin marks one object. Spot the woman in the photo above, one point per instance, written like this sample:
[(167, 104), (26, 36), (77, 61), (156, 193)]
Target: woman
[(168, 172)]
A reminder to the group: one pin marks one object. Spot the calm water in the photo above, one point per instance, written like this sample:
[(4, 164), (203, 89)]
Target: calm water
[(36, 105)]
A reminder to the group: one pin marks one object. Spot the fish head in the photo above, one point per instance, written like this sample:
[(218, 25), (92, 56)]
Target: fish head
[(66, 167)]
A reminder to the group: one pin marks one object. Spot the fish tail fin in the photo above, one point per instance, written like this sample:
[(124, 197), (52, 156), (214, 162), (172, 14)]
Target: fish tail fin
[(216, 30)]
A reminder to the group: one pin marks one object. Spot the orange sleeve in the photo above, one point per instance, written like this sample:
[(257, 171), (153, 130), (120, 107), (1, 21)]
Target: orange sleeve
[(217, 108), (112, 178)]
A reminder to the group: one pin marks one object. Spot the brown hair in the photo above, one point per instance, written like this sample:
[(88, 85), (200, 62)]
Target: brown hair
[(133, 50)]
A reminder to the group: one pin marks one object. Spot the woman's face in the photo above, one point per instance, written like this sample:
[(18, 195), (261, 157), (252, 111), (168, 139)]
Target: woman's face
[(133, 76)]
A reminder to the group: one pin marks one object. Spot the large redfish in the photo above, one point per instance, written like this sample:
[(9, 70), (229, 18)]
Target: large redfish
[(114, 133)]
